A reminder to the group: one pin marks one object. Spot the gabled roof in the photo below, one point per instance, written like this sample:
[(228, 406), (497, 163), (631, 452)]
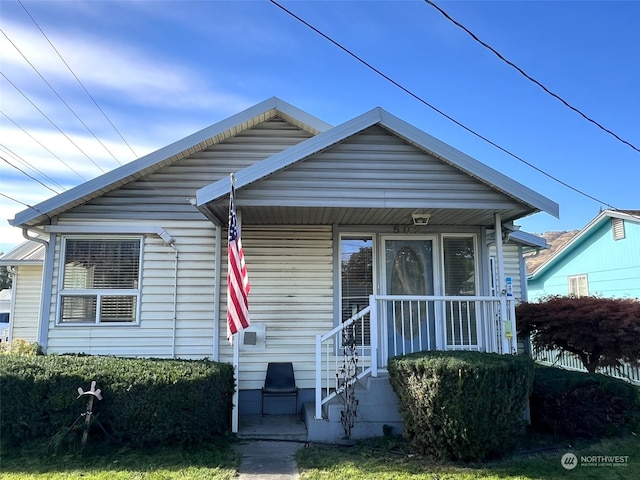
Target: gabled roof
[(168, 155), (534, 201), (27, 253), (605, 215)]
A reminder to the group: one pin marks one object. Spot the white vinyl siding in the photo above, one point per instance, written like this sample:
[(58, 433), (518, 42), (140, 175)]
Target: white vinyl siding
[(26, 311), (291, 273), (162, 199)]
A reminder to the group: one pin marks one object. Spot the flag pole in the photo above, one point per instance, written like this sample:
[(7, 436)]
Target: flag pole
[(236, 356)]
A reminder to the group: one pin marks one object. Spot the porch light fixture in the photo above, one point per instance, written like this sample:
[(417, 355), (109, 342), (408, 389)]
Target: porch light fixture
[(421, 219)]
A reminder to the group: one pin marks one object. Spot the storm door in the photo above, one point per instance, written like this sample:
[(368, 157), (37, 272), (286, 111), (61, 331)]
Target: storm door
[(409, 271)]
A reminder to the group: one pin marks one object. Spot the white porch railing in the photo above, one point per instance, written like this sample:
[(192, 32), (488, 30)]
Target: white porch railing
[(569, 361), (398, 325)]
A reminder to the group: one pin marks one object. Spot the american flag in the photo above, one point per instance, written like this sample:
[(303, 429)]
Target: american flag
[(238, 286)]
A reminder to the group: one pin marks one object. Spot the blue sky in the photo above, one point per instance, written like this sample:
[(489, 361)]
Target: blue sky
[(162, 70)]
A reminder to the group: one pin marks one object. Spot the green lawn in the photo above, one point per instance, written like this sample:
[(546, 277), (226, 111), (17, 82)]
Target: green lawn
[(365, 462), (383, 459), (208, 462)]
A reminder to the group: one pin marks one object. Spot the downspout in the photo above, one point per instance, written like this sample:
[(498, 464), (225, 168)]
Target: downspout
[(175, 299), (45, 295)]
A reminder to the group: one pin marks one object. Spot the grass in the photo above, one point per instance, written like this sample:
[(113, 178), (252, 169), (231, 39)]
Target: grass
[(392, 461), (214, 461), (384, 458)]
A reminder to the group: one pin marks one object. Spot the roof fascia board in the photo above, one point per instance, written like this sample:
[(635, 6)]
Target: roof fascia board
[(455, 157), (287, 157), (528, 239), (571, 244), (128, 171)]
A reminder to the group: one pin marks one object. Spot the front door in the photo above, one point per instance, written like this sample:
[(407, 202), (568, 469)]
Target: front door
[(409, 270)]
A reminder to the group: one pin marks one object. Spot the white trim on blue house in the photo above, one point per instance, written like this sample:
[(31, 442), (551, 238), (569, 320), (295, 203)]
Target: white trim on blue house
[(577, 240), (167, 155), (415, 136)]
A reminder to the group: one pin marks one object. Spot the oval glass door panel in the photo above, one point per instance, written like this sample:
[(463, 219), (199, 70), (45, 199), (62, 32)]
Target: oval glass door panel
[(409, 272)]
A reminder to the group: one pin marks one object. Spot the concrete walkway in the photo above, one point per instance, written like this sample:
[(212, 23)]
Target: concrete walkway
[(268, 460), (268, 444)]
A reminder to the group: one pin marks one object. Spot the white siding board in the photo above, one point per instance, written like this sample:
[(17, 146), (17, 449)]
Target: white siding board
[(162, 199), (26, 311), (373, 169), (291, 273)]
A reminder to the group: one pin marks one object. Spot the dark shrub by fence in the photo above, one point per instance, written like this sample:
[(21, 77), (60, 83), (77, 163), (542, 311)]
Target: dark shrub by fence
[(145, 401), (462, 405), (586, 405)]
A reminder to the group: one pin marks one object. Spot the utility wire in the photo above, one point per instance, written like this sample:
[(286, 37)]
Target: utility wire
[(43, 146), (78, 80), (423, 101), (25, 204), (61, 99), (52, 122), (25, 173), (529, 77), (34, 169)]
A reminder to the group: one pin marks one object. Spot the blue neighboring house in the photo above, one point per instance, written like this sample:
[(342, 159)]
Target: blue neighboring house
[(603, 259)]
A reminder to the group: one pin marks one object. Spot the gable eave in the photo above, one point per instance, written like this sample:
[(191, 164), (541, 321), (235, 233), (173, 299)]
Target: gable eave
[(580, 237), (534, 202), (168, 155)]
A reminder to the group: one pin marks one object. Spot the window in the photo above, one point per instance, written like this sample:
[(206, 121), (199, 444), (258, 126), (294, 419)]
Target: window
[(460, 279), (99, 281), (356, 265), (617, 226), (578, 285)]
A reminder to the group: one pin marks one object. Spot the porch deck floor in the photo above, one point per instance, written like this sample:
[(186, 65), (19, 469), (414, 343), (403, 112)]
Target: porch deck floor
[(272, 427)]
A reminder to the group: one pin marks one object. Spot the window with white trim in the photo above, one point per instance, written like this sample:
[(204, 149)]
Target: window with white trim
[(356, 281), (578, 285), (99, 280)]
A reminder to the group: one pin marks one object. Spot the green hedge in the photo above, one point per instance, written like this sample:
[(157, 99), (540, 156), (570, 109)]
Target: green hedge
[(462, 405), (145, 401), (582, 405)]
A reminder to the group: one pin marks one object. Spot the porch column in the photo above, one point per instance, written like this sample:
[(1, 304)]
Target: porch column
[(504, 343)]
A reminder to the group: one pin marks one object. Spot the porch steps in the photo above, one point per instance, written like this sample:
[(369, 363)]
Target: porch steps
[(377, 408), (283, 428)]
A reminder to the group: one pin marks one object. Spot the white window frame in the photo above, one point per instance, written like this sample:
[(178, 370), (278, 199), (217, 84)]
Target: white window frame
[(97, 292), (374, 242), (578, 278)]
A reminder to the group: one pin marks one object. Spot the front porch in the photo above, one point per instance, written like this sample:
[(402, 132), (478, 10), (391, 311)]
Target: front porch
[(390, 325)]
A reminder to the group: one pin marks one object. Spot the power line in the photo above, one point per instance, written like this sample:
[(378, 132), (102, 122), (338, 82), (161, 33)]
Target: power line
[(61, 99), (530, 78), (34, 169), (25, 204), (43, 146), (423, 101), (78, 80), (25, 173), (52, 122)]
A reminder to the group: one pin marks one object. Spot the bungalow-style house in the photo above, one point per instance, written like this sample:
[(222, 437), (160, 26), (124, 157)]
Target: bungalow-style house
[(25, 263), (603, 259), (371, 229)]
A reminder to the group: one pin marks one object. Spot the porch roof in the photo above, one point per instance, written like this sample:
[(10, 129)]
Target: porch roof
[(349, 208)]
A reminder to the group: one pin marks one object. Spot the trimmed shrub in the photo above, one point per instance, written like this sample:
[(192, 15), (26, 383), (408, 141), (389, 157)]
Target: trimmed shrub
[(144, 401), (582, 405), (462, 405)]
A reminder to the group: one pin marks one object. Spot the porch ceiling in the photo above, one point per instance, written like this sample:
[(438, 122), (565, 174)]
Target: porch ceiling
[(282, 215)]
